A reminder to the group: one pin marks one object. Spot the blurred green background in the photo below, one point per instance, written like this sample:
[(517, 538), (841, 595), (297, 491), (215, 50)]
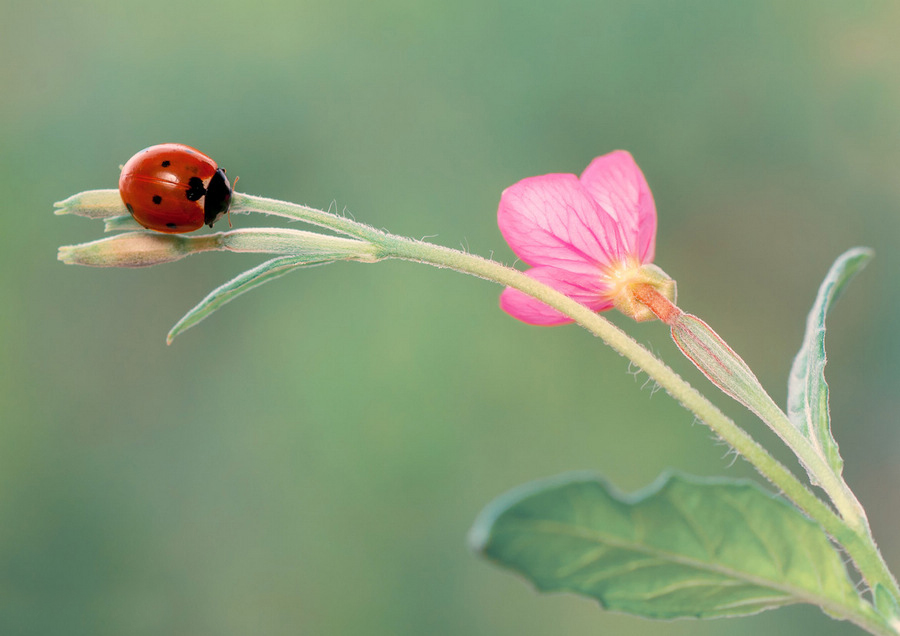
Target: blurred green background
[(309, 460)]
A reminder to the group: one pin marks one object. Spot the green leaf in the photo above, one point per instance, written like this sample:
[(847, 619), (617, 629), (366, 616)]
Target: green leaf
[(684, 547), (242, 283), (807, 403)]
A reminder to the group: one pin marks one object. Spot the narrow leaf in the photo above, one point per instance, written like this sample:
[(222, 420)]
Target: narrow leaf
[(807, 403), (242, 283), (684, 547)]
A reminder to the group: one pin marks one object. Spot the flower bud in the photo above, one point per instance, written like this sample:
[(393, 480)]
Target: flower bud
[(718, 362), (93, 204), (136, 249), (142, 249)]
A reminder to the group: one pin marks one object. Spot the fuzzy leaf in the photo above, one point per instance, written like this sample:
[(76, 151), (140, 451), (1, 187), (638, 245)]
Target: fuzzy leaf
[(807, 403), (683, 547), (242, 283)]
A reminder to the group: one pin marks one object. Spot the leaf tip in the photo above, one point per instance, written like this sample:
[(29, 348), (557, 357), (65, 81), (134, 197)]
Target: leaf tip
[(862, 250), (177, 329)]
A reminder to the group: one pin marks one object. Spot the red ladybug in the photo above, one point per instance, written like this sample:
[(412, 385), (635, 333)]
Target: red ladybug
[(174, 188)]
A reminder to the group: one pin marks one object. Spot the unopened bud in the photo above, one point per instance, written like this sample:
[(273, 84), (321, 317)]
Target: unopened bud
[(136, 249), (142, 249), (718, 362), (93, 204)]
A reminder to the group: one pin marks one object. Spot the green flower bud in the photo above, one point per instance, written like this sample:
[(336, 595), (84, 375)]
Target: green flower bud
[(142, 249), (93, 204), (718, 362), (136, 249)]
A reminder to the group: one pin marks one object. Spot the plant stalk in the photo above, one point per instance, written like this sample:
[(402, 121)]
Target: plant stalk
[(855, 540)]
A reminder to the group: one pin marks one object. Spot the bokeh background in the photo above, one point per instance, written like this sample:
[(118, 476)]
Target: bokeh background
[(309, 460)]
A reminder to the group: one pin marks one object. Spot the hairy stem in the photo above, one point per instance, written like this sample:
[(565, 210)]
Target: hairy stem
[(855, 540), (728, 371)]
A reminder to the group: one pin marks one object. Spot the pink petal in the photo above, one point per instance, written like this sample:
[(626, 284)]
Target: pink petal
[(618, 186), (584, 288), (552, 220)]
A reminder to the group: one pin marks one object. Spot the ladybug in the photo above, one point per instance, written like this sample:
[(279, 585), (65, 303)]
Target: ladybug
[(174, 188)]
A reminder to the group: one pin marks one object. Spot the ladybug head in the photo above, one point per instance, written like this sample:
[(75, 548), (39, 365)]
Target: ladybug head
[(218, 198)]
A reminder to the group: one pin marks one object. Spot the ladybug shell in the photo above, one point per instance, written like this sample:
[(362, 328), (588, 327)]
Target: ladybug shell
[(174, 188)]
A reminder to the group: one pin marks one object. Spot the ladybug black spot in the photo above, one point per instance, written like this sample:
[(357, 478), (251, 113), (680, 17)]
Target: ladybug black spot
[(166, 163), (195, 189), (171, 226), (130, 209), (157, 199)]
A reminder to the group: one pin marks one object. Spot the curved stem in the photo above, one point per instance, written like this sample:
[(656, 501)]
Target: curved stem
[(844, 499), (856, 542), (243, 203), (727, 370)]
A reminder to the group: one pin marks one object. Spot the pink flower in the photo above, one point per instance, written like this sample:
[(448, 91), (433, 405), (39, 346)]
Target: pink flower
[(587, 237)]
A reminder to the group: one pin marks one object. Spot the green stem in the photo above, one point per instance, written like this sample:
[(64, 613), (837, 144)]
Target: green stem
[(243, 203), (728, 371), (844, 500), (856, 542)]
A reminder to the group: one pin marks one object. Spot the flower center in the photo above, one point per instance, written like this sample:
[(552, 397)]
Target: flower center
[(625, 277), (620, 276)]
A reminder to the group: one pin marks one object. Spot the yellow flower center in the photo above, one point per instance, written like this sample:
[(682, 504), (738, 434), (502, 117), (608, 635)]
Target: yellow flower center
[(624, 276)]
